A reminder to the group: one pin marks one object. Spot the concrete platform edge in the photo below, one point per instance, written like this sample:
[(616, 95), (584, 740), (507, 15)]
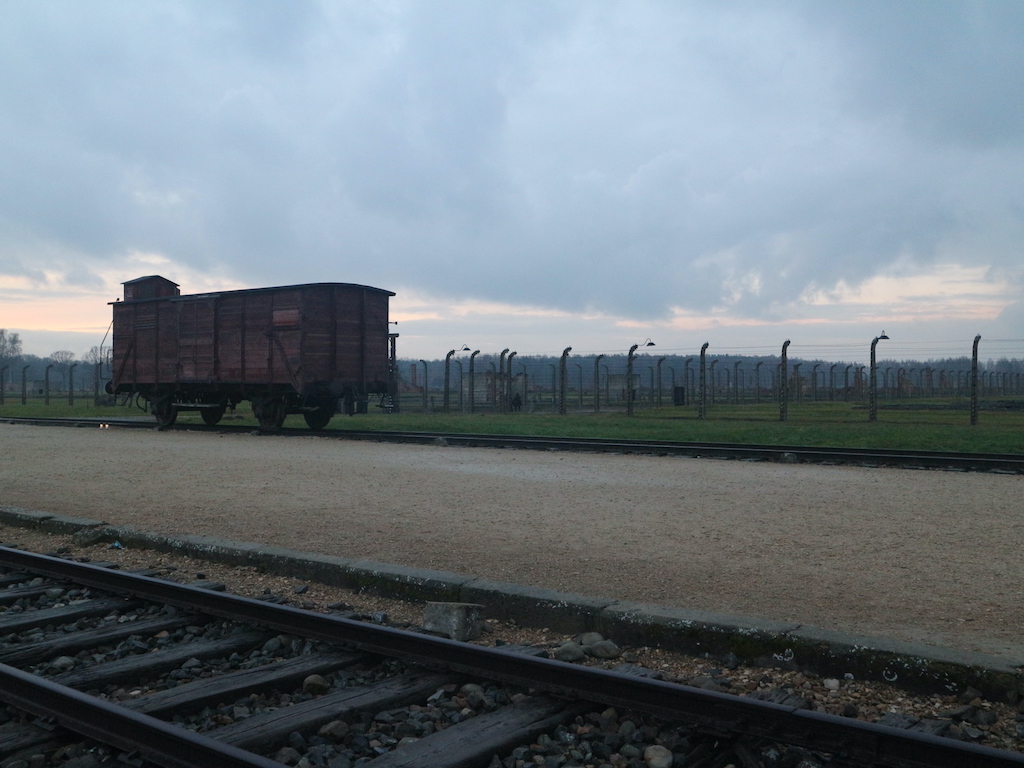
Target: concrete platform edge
[(760, 642)]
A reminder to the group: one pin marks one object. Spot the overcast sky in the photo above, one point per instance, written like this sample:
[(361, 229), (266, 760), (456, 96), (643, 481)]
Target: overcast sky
[(531, 175)]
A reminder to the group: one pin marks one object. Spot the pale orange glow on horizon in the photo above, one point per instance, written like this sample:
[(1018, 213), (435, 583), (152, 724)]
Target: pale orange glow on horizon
[(941, 294)]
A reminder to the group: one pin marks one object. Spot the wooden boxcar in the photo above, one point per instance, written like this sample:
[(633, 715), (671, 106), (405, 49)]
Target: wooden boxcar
[(311, 349)]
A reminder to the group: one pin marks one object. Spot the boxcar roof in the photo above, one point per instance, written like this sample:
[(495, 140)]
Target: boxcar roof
[(212, 294), (149, 277)]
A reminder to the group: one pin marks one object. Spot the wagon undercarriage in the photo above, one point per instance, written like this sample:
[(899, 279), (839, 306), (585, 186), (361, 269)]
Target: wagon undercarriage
[(269, 408)]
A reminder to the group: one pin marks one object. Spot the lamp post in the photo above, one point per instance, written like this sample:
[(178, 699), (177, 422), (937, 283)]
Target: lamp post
[(629, 375), (757, 381), (562, 366), (873, 384), (832, 381), (472, 381), (629, 379), (846, 383), (814, 382), (597, 383)]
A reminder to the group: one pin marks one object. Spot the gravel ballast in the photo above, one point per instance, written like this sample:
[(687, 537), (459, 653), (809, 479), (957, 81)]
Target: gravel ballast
[(963, 714)]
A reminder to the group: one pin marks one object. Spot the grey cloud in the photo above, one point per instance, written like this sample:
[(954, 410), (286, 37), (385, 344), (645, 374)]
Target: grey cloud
[(951, 70), (624, 156)]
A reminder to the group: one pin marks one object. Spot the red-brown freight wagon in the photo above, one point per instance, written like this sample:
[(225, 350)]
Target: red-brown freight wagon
[(312, 349)]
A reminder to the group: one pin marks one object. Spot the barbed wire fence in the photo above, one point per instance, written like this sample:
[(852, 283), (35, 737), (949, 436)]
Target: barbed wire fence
[(946, 373), (940, 373)]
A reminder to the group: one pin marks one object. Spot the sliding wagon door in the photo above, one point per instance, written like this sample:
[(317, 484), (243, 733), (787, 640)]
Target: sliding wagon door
[(197, 329)]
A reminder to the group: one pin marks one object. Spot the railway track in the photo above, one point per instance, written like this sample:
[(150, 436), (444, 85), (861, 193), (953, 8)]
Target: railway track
[(158, 673), (870, 457)]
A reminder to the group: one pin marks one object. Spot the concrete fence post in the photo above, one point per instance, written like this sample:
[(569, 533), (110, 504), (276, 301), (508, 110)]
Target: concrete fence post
[(425, 386), (974, 381), (472, 381), (71, 384), (784, 384), (499, 389), (508, 380), (446, 401), (702, 390), (873, 384), (562, 380), (660, 361)]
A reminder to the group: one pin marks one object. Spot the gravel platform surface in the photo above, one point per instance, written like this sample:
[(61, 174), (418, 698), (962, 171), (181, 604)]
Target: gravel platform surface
[(921, 556)]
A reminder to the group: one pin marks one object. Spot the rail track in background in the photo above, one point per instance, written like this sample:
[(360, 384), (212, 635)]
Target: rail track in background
[(865, 457), (183, 650)]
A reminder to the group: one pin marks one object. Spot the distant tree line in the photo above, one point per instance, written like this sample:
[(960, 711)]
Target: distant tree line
[(13, 363)]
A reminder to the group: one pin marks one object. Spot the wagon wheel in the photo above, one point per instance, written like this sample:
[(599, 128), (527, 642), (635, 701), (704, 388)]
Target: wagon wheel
[(319, 418), (270, 412), (165, 412), (212, 416)]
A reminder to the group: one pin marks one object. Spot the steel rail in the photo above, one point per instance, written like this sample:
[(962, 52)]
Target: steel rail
[(159, 742), (999, 462), (917, 458), (852, 740)]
